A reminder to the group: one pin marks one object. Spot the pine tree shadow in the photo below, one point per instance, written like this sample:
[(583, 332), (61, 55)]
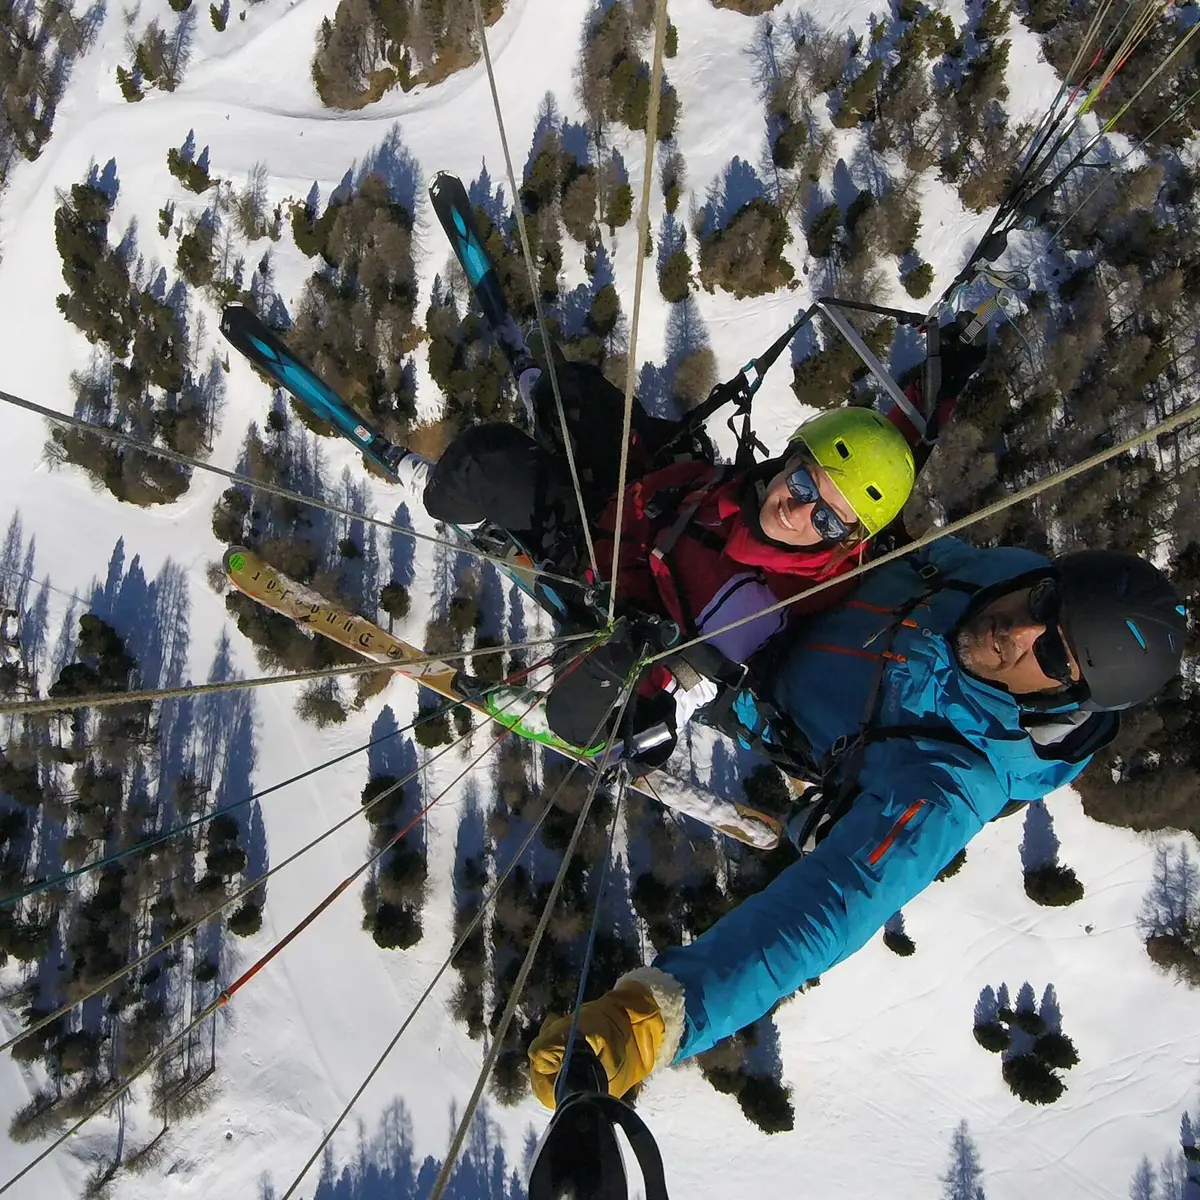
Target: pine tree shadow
[(764, 1057), (153, 619), (356, 573), (385, 1166), (805, 343), (845, 190), (548, 121), (403, 548), (482, 195), (469, 848), (490, 619), (731, 763), (105, 179), (686, 333), (395, 164), (672, 237), (573, 307), (962, 1179), (152, 616), (216, 716), (395, 756), (32, 627), (518, 631), (987, 1007), (237, 782), (576, 142), (1170, 904), (1039, 845), (727, 196)]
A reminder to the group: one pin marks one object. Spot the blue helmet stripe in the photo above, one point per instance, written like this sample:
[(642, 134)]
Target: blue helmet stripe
[(1137, 633)]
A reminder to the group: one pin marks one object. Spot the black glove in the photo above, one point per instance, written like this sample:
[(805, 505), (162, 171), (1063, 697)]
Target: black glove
[(582, 704)]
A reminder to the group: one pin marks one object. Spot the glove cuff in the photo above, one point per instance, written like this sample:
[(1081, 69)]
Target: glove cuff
[(667, 993)]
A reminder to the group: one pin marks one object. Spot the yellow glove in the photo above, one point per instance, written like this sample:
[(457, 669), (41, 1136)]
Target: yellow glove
[(624, 1029)]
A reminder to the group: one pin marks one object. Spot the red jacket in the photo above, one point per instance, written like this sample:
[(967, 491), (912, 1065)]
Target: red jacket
[(688, 554)]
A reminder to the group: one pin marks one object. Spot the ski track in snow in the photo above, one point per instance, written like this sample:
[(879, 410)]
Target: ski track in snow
[(880, 1056)]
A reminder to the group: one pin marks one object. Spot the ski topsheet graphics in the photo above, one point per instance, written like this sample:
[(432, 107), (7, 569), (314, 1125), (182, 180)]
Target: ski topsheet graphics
[(267, 351), (271, 355), (274, 590), (453, 209)]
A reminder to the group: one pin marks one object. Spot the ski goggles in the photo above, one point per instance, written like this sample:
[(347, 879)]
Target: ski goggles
[(825, 521), (1045, 607)]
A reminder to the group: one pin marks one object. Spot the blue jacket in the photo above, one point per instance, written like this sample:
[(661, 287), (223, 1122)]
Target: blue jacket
[(921, 799)]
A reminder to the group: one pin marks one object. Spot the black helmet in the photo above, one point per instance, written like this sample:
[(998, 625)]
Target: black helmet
[(1125, 622)]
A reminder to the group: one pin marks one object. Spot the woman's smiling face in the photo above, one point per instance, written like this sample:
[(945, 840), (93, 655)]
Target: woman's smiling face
[(785, 519)]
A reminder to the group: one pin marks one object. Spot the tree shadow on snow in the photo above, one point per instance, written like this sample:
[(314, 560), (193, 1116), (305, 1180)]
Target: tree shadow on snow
[(105, 179), (686, 333), (403, 548), (1039, 845), (394, 163), (237, 782), (731, 193), (573, 308), (396, 756), (152, 616), (764, 1057), (469, 847), (1174, 892), (481, 194), (518, 631), (490, 619), (385, 1166)]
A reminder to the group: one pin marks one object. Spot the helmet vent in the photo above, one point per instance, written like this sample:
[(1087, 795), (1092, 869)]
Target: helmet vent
[(1137, 633), (874, 492), (842, 448)]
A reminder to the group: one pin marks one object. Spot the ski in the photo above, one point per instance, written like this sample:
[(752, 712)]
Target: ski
[(453, 208), (267, 351), (274, 590)]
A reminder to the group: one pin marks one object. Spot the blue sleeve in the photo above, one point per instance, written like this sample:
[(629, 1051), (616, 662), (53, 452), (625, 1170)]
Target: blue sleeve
[(889, 847)]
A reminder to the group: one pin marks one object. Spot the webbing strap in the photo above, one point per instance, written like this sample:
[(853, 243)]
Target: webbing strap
[(662, 546)]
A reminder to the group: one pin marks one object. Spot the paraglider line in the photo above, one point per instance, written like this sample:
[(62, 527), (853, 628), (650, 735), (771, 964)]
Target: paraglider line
[(488, 897), (108, 699), (271, 489), (246, 890)]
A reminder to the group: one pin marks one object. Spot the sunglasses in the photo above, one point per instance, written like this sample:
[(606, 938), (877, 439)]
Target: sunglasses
[(825, 521), (1045, 607)]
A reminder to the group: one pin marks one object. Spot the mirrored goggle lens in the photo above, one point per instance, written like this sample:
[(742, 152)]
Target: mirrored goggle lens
[(1051, 654), (825, 521), (803, 487), (828, 524), (1045, 607)]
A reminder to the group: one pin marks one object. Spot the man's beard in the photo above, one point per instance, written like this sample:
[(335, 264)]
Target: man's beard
[(973, 650)]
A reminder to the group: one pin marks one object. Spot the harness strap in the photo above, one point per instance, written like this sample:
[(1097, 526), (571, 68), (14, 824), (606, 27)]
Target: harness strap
[(675, 597), (842, 762)]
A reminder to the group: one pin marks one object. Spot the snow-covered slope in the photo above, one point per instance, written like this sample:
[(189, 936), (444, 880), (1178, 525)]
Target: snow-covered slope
[(880, 1056)]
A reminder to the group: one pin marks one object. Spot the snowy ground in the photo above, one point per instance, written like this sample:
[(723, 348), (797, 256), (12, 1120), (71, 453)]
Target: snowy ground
[(880, 1056)]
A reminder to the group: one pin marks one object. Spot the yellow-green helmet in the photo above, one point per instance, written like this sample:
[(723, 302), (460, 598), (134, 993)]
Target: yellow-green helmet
[(867, 458)]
